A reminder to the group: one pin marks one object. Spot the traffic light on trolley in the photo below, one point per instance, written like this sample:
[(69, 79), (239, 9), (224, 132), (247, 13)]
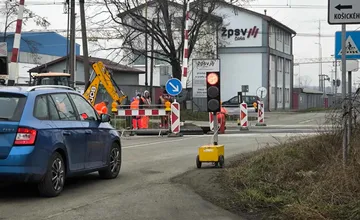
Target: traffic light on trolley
[(213, 91)]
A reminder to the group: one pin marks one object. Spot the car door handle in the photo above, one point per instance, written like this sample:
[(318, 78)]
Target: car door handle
[(66, 133), (88, 132)]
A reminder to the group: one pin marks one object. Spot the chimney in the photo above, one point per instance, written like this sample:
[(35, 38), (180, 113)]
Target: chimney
[(265, 11)]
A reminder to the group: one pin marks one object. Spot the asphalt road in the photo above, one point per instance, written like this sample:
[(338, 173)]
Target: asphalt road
[(142, 191)]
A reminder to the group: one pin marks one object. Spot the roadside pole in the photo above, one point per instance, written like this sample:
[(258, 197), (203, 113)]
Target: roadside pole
[(343, 12), (216, 128), (84, 43), (343, 89), (349, 113)]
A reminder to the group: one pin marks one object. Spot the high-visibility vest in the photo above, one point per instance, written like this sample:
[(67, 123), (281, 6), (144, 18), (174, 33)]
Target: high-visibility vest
[(99, 108), (135, 104)]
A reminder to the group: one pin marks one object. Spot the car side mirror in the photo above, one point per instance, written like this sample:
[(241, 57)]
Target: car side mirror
[(105, 118)]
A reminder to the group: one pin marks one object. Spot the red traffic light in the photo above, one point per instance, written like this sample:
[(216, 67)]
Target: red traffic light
[(212, 78)]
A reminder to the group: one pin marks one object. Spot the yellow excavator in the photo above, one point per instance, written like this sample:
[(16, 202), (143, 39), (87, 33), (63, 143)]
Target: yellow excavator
[(99, 76)]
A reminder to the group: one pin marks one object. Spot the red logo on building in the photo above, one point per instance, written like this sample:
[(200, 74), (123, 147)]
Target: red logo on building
[(240, 34)]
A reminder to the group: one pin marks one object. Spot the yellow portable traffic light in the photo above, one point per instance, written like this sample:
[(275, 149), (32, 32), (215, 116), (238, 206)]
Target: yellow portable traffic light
[(213, 91), (114, 107), (167, 106)]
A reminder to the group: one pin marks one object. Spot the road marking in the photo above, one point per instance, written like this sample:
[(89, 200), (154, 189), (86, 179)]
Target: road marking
[(306, 121), (163, 142), (261, 134)]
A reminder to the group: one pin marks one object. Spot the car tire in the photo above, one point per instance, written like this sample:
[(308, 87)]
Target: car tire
[(54, 180), (113, 169)]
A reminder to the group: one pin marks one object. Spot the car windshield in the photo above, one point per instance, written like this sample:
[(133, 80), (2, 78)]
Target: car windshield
[(250, 99), (14, 105)]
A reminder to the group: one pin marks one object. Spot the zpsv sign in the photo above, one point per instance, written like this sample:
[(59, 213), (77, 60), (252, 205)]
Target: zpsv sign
[(344, 12)]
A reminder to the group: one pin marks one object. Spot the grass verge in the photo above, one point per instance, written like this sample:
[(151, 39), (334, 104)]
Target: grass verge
[(299, 180)]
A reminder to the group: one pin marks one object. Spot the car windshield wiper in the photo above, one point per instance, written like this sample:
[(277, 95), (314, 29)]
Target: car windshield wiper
[(4, 119)]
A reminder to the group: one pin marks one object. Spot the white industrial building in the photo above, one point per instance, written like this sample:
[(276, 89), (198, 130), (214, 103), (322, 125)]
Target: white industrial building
[(254, 49)]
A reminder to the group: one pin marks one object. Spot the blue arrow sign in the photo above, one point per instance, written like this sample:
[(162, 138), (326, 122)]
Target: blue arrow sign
[(173, 87), (352, 45)]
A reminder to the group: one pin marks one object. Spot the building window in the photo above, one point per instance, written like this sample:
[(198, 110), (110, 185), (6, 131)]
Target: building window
[(280, 97), (287, 39), (138, 58), (287, 95), (280, 64), (287, 66)]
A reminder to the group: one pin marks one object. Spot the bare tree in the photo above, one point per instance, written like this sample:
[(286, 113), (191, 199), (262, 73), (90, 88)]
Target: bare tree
[(10, 11), (164, 24), (305, 81)]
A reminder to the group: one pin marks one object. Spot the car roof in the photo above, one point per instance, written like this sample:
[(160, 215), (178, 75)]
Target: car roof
[(37, 90)]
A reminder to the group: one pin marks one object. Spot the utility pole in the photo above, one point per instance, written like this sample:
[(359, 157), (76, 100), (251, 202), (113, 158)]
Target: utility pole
[(84, 43), (67, 35), (72, 41), (320, 58), (146, 46), (336, 77), (152, 61), (343, 88)]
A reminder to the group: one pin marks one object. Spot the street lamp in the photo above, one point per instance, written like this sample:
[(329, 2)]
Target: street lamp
[(324, 78), (320, 64), (336, 76)]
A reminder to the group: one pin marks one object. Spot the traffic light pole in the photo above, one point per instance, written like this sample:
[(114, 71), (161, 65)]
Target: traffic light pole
[(216, 129)]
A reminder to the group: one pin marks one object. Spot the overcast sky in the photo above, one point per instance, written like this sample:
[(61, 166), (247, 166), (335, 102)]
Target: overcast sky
[(303, 17)]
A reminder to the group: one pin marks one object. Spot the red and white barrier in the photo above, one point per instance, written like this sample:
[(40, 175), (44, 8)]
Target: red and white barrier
[(175, 118), (211, 121), (261, 115), (141, 112), (244, 123)]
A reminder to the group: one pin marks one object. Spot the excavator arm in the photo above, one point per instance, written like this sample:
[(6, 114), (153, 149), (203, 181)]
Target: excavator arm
[(102, 75)]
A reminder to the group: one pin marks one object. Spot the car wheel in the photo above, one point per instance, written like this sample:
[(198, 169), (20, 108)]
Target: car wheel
[(113, 169), (54, 179)]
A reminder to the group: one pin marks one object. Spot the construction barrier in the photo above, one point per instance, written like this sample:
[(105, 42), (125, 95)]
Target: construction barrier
[(153, 119), (175, 119), (261, 114), (244, 122), (211, 121)]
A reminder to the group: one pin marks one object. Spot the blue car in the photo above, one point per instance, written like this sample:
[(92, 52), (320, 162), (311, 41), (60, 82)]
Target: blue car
[(49, 133)]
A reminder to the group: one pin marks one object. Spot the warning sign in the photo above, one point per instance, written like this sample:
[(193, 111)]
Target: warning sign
[(351, 48)]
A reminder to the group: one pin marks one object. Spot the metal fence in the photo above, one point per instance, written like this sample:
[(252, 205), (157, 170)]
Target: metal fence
[(303, 99)]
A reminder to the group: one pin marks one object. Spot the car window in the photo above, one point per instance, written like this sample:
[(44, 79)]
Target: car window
[(12, 106), (250, 99), (234, 100), (84, 109), (53, 112), (63, 107), (41, 108)]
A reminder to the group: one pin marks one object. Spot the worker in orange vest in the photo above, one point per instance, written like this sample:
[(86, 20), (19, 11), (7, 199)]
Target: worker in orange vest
[(101, 107), (221, 118), (146, 100), (136, 120)]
